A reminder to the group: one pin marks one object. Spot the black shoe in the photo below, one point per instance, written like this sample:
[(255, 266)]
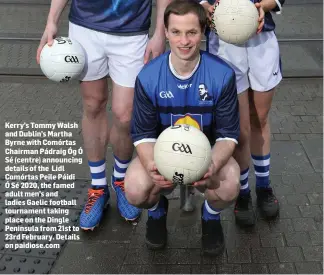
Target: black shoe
[(243, 210), (267, 202), (156, 230), (212, 236)]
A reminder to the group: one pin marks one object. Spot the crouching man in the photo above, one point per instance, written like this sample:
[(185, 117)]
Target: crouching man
[(168, 92)]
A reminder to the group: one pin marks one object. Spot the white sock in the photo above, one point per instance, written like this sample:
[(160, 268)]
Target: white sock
[(98, 172)]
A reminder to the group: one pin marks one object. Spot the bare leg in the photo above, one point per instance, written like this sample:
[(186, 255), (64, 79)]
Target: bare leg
[(242, 151), (95, 129), (217, 199), (95, 133), (139, 188), (228, 190), (243, 211), (142, 192), (260, 103), (122, 106)]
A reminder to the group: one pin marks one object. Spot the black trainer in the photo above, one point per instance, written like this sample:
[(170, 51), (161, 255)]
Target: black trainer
[(212, 240), (243, 210), (267, 202), (156, 230)]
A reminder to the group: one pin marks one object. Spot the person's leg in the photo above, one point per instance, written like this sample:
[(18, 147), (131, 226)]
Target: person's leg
[(215, 201), (122, 106), (260, 104), (141, 192), (126, 59), (237, 58), (95, 129), (95, 137), (243, 210), (260, 151), (265, 75)]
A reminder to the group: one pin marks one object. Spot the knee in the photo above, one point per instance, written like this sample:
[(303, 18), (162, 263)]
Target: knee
[(244, 138), (258, 121), (136, 194), (94, 105), (233, 185), (122, 114), (229, 190), (234, 177), (233, 188)]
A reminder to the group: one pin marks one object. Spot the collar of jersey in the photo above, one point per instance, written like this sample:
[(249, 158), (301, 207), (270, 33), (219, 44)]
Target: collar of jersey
[(179, 76)]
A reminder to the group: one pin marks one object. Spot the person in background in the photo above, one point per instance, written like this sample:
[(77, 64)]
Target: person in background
[(258, 71), (114, 35)]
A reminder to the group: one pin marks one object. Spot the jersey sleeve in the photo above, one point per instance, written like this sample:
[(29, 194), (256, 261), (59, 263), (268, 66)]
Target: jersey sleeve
[(278, 7), (144, 122), (227, 112)]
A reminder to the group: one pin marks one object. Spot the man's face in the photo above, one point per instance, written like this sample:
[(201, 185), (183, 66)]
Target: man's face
[(184, 35), (202, 89)]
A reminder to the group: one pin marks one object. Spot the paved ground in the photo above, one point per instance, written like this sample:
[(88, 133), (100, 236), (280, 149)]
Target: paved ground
[(291, 244)]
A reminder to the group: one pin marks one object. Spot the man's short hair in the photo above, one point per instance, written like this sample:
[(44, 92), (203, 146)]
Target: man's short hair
[(205, 86), (183, 7)]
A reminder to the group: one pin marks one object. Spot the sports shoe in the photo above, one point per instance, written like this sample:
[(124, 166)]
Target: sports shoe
[(126, 210), (212, 240), (267, 202), (156, 230), (92, 212), (243, 210)]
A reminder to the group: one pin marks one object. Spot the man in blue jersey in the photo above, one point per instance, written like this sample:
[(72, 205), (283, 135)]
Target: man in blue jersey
[(185, 86), (114, 35), (258, 72)]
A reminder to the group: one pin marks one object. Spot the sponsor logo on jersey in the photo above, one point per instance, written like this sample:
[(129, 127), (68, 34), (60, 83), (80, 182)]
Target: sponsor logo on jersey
[(184, 86), (195, 120)]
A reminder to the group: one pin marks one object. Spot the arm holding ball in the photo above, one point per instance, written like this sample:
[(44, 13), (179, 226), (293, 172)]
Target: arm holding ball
[(56, 9), (272, 5), (145, 153), (143, 182)]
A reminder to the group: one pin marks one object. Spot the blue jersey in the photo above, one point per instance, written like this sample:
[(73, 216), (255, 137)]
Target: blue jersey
[(112, 16), (206, 100), (269, 24)]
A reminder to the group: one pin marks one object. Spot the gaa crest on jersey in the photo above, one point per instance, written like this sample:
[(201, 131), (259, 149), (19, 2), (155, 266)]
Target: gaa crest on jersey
[(205, 96)]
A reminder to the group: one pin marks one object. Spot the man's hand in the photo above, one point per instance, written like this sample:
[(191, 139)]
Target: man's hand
[(156, 177), (210, 179), (156, 46), (261, 17), (48, 37)]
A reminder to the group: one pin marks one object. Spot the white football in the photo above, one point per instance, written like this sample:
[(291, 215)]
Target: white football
[(63, 61), (235, 21), (182, 154)]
